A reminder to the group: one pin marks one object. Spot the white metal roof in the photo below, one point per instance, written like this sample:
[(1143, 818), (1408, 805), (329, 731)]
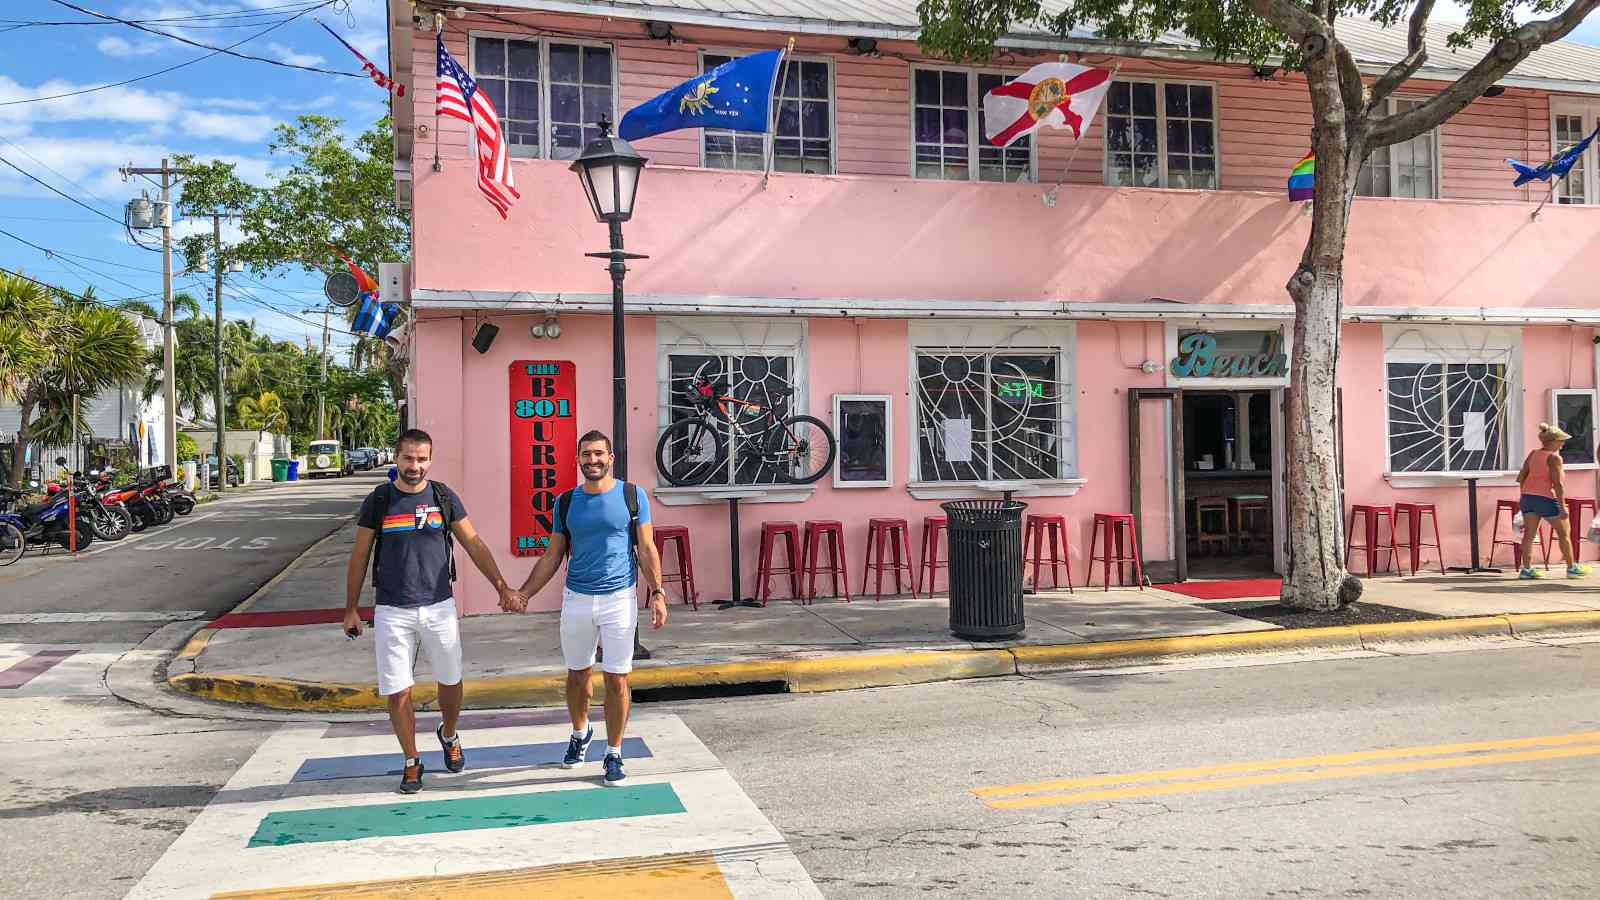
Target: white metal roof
[(1561, 66)]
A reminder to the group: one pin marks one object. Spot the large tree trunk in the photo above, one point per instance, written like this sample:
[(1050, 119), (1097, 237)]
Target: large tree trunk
[(20, 448)]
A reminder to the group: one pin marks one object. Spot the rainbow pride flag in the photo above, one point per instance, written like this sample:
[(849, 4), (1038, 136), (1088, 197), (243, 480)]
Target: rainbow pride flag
[(1302, 177)]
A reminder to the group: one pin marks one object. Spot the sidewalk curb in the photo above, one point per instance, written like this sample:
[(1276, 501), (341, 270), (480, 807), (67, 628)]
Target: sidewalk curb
[(882, 669)]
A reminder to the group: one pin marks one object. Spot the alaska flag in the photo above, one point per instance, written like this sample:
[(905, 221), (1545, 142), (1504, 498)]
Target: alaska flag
[(735, 96), (1557, 167)]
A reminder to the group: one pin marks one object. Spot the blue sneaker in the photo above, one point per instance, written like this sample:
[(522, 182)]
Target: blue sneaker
[(576, 750), (615, 775)]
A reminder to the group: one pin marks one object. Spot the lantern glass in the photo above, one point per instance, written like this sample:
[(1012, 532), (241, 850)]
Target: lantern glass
[(609, 169)]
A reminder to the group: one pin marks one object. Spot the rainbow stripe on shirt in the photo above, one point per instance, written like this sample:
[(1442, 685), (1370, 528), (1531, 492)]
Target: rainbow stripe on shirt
[(431, 515)]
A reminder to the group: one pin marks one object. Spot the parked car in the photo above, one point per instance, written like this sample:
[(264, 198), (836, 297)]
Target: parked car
[(327, 458), (363, 458), (235, 477)]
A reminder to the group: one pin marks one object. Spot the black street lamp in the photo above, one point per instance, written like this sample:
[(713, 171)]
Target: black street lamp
[(609, 169)]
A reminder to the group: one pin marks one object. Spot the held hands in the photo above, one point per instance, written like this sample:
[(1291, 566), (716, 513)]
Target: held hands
[(512, 600)]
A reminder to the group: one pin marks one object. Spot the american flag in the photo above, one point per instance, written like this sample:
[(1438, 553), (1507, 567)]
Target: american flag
[(459, 97)]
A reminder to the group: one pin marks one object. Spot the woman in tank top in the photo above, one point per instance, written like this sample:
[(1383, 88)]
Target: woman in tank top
[(1542, 480)]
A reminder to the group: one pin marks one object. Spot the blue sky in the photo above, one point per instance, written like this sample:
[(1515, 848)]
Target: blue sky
[(221, 107)]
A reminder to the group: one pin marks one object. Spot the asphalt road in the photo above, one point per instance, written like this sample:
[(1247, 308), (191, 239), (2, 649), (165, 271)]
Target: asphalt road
[(199, 566), (875, 790)]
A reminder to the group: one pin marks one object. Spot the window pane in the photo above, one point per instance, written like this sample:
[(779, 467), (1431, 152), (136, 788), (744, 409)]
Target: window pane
[(524, 101), (597, 66), (565, 141), (955, 126), (564, 63), (955, 88), (1144, 136), (682, 369), (1477, 396), (814, 80), (1146, 171), (789, 117), (496, 89), (1200, 101), (596, 103), (1118, 99), (1119, 170), (1177, 137), (789, 83), (1178, 171), (1117, 134), (1178, 100), (524, 59), (1026, 403), (1416, 417), (1200, 139), (1144, 99), (927, 125), (952, 416), (564, 103), (488, 56), (814, 119), (712, 60), (927, 82), (1204, 173)]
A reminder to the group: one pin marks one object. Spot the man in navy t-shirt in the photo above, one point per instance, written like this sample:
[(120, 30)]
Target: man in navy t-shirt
[(600, 604)]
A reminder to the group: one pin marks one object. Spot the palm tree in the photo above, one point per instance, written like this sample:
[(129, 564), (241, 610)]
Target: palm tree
[(264, 412), (24, 307)]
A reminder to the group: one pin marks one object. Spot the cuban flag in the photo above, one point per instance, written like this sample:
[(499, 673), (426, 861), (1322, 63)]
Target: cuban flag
[(374, 318), (1060, 95), (736, 96)]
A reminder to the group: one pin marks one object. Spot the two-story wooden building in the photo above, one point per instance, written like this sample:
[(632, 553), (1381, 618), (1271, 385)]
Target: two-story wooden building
[(971, 319)]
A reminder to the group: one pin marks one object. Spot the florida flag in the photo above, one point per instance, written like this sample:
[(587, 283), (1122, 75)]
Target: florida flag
[(1057, 94)]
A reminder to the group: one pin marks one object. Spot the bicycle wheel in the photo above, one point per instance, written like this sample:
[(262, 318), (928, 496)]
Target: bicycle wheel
[(691, 452), (801, 449), (12, 543)]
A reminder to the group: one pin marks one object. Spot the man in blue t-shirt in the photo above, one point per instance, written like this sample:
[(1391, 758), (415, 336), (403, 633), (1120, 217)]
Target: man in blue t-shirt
[(600, 604)]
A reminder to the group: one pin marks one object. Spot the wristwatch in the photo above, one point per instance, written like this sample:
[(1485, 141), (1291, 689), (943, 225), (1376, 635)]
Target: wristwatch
[(655, 591)]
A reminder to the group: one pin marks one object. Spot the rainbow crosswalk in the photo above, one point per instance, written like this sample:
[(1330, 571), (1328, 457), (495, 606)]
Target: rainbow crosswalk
[(314, 813)]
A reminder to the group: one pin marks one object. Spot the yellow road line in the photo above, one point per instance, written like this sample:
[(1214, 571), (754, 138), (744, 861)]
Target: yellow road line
[(1220, 784), (1334, 759), (687, 876)]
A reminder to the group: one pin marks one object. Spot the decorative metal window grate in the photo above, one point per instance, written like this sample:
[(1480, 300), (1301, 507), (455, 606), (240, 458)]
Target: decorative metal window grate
[(993, 413), (1449, 400), (752, 361)]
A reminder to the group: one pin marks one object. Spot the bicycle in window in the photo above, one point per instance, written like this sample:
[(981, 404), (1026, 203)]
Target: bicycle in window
[(797, 449)]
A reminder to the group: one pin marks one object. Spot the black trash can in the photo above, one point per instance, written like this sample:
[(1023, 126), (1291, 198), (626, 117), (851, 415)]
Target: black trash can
[(985, 555)]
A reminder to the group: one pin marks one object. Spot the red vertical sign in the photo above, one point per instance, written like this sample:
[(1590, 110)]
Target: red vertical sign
[(544, 448)]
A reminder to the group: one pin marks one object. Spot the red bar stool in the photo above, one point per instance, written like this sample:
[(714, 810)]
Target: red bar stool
[(1112, 525), (1575, 507), (770, 533), (1371, 516), (1042, 529), (815, 531), (1414, 542), (932, 528), (679, 536), (1510, 508), (896, 533)]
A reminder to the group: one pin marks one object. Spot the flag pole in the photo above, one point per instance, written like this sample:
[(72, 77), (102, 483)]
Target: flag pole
[(772, 112), (438, 31), (1050, 197)]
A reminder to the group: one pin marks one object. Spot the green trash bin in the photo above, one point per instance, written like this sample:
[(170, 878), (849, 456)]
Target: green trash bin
[(280, 470)]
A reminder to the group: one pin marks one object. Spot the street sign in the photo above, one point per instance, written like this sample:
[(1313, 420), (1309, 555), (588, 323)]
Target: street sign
[(544, 447)]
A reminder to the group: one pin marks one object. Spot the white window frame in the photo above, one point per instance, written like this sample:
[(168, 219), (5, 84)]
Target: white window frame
[(546, 126), (1594, 406), (1589, 113), (988, 337), (888, 439), (1458, 345), (772, 121), (974, 105), (730, 336), (1389, 106), (1161, 133), (1251, 384)]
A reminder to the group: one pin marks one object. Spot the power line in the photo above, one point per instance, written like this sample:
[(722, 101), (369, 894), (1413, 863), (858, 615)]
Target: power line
[(57, 191), (62, 253), (46, 165), (257, 13), (183, 40), (202, 58), (81, 297)]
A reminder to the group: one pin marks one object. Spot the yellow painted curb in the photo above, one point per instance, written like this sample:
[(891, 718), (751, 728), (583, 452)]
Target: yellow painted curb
[(1057, 657), (1555, 622), (868, 669)]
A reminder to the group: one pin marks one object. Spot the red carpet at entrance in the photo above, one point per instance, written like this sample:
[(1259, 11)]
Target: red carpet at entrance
[(1243, 589)]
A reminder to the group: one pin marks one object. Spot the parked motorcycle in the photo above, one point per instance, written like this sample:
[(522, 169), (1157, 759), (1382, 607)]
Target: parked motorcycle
[(108, 522), (48, 521)]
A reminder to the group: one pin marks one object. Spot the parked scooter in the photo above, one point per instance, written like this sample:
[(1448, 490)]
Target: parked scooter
[(47, 522)]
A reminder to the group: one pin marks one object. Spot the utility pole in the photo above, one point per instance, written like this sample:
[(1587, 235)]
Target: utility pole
[(169, 375), (221, 403), (322, 392)]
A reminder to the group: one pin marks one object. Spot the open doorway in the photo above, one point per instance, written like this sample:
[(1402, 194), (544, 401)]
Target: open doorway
[(1229, 488)]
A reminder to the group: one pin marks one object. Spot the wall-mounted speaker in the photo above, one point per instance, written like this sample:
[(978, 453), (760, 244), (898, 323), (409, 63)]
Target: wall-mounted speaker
[(484, 337)]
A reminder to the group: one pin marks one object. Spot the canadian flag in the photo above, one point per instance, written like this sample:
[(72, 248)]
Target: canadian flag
[(1057, 94)]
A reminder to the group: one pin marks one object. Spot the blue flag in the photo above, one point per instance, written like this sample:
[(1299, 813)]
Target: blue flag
[(1557, 167), (736, 96), (374, 318)]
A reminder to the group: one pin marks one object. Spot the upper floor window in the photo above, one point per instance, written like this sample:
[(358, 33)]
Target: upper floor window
[(948, 127), (1570, 123), (1161, 134), (803, 131), (549, 94), (1410, 169)]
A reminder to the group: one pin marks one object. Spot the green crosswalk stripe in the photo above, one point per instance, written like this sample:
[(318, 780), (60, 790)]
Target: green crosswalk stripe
[(348, 823)]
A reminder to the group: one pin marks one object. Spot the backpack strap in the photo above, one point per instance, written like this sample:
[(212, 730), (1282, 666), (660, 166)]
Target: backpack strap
[(385, 499), (563, 510), (630, 495), (441, 499)]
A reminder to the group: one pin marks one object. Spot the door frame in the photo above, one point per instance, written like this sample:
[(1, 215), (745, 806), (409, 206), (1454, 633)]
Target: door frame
[(1180, 524)]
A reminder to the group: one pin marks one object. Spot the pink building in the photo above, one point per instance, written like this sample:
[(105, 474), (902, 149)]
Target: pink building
[(972, 320)]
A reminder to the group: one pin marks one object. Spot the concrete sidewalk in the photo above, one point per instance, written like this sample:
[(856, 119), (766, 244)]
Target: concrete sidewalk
[(832, 644)]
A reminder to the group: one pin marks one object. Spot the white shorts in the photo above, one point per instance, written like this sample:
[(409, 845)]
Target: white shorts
[(398, 630), (604, 619)]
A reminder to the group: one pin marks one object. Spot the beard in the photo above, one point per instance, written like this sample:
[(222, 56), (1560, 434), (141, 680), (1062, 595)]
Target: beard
[(414, 477), (596, 472)]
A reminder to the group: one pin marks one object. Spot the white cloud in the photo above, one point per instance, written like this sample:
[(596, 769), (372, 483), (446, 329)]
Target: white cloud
[(293, 57), (119, 48), (93, 162), (118, 104), (247, 129), (233, 103), (323, 102)]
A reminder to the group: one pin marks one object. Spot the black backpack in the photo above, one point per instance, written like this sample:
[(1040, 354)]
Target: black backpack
[(630, 496), (441, 498)]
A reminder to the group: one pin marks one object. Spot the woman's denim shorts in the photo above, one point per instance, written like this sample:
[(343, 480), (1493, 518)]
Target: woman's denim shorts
[(1543, 507)]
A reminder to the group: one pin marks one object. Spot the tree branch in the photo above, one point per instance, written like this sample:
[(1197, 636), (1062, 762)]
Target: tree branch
[(1289, 17), (1416, 55), (1350, 83), (1505, 56)]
